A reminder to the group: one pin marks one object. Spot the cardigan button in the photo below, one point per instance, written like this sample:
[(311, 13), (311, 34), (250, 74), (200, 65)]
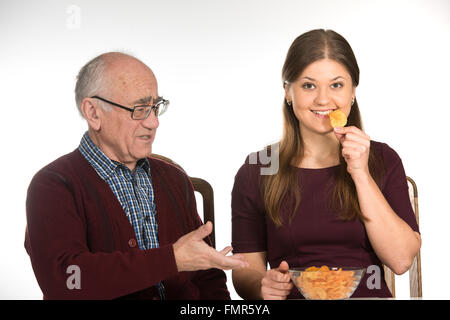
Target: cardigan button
[(132, 243)]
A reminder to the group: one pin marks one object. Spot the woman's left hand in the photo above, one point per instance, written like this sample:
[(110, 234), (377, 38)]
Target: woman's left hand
[(355, 149)]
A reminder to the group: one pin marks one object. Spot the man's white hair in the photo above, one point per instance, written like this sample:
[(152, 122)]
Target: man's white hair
[(90, 80)]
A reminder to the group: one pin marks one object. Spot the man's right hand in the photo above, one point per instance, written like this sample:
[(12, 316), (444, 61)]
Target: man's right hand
[(192, 253)]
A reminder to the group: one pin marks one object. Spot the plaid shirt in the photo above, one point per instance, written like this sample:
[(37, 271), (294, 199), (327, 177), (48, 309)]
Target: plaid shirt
[(133, 190)]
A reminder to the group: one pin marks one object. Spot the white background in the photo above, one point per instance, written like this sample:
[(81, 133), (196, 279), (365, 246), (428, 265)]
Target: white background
[(219, 63)]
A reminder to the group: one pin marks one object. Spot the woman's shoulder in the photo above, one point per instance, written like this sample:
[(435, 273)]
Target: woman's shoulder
[(385, 151)]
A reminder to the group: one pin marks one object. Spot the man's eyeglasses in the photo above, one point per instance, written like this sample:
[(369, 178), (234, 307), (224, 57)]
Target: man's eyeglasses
[(142, 112)]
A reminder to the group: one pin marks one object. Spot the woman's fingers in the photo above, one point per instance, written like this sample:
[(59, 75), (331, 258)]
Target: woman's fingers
[(347, 144), (282, 286), (274, 296), (351, 130), (355, 143), (272, 292), (351, 137), (273, 282), (276, 285), (283, 267), (351, 153)]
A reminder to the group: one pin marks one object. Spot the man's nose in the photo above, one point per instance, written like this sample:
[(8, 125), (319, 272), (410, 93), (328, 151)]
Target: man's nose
[(152, 121)]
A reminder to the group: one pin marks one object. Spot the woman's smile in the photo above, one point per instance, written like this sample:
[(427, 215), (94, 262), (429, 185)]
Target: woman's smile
[(322, 114)]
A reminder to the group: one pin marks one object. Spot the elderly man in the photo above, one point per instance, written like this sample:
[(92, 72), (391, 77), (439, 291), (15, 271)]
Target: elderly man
[(106, 221)]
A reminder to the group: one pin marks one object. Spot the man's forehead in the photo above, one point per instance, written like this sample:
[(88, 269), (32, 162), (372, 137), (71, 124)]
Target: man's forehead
[(128, 71), (135, 77), (131, 81)]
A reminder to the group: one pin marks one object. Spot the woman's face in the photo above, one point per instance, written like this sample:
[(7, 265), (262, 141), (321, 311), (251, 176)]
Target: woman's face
[(325, 85)]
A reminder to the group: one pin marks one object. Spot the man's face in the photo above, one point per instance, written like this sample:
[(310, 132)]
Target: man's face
[(120, 137)]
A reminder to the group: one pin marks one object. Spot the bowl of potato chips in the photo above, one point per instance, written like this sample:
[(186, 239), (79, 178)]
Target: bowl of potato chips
[(326, 283)]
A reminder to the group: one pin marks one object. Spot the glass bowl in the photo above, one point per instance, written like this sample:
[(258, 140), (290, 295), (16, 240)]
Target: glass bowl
[(326, 283)]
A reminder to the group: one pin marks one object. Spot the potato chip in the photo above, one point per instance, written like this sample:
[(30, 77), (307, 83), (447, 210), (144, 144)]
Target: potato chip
[(338, 118), (312, 269)]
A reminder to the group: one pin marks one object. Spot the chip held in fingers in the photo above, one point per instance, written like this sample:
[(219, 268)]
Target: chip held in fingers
[(338, 118)]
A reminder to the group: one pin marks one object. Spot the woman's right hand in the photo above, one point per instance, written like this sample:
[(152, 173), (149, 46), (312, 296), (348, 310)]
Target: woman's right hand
[(276, 284)]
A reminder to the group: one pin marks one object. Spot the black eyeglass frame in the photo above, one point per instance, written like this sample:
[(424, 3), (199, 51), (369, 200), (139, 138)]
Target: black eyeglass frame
[(160, 101)]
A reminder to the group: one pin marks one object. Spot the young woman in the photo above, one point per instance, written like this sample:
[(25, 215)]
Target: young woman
[(337, 198)]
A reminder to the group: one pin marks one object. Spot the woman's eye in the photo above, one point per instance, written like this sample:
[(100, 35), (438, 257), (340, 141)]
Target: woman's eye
[(308, 86), (337, 85)]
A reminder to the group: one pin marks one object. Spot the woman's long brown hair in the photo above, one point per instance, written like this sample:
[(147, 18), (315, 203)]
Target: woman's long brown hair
[(276, 189)]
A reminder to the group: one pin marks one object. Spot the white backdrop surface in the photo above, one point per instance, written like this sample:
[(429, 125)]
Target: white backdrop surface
[(219, 63)]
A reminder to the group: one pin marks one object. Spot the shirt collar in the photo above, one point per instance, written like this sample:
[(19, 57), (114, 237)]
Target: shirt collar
[(104, 166), (144, 164)]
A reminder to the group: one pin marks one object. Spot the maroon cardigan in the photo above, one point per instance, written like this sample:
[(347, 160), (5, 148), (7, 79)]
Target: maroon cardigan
[(73, 218)]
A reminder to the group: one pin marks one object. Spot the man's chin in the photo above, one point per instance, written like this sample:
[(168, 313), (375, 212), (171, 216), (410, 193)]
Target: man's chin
[(140, 153), (143, 155)]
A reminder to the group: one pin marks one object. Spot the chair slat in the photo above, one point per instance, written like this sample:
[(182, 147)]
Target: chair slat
[(415, 272)]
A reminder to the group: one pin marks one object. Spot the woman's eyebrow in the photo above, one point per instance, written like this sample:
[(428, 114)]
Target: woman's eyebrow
[(312, 79)]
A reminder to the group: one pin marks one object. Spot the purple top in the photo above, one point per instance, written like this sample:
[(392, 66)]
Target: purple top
[(316, 235)]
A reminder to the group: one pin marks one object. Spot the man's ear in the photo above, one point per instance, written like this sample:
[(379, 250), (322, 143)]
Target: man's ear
[(91, 112)]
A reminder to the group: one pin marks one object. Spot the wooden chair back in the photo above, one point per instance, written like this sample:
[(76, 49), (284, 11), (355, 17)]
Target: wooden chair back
[(204, 188), (415, 272)]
